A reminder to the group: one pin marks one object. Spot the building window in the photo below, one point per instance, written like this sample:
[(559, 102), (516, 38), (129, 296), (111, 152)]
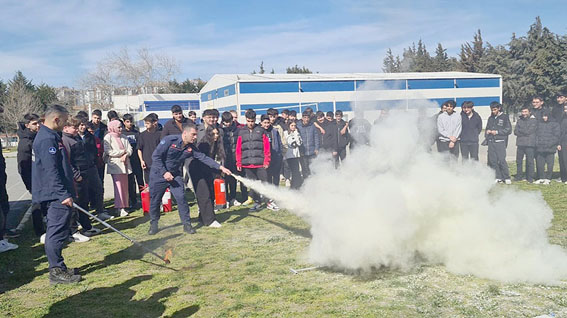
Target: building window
[(225, 92), (209, 96)]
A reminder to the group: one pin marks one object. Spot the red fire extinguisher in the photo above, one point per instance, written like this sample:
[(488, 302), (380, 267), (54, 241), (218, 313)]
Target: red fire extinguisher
[(220, 192), (166, 201), (145, 194)]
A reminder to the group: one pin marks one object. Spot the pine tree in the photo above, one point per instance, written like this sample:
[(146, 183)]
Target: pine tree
[(391, 64), (471, 54)]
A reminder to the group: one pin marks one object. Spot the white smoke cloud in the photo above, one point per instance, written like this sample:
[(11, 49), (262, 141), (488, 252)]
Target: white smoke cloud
[(394, 204)]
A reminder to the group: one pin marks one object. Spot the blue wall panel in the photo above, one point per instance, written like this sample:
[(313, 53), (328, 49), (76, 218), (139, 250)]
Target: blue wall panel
[(226, 108), (269, 87), (226, 91), (478, 82), (431, 84), (207, 96), (381, 85), (327, 86)]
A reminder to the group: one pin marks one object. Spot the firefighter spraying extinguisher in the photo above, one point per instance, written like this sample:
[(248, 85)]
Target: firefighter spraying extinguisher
[(220, 192)]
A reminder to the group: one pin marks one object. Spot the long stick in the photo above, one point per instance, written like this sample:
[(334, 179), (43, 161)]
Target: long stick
[(25, 218), (122, 234)]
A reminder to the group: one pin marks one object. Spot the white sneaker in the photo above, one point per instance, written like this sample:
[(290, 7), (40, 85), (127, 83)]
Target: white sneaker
[(558, 180), (80, 238), (497, 180), (105, 216), (508, 181), (7, 246), (235, 202), (272, 206), (546, 181), (42, 238), (123, 212), (215, 224), (287, 183), (93, 231), (538, 181)]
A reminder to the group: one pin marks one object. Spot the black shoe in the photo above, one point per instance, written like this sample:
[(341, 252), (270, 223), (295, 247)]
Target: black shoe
[(59, 276), (187, 228), (153, 229), (13, 233), (73, 271)]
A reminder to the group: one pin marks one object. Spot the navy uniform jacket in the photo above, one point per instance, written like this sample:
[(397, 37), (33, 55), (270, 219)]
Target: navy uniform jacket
[(52, 175), (170, 155)]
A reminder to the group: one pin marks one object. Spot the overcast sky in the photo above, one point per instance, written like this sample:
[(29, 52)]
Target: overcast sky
[(57, 42)]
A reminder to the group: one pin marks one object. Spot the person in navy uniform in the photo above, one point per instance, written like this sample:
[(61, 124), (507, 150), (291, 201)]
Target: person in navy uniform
[(166, 171), (52, 187)]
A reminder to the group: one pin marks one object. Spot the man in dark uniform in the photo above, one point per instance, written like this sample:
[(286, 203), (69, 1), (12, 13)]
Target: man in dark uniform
[(52, 186), (167, 161)]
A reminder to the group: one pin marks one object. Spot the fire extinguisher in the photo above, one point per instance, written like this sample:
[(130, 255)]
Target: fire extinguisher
[(220, 192), (145, 194), (166, 201)]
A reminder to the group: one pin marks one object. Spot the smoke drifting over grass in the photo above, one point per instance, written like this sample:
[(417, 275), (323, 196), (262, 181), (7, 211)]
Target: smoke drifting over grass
[(394, 204)]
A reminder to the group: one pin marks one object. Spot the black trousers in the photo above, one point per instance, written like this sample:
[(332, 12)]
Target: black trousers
[(4, 201), (95, 190), (563, 162), (37, 219), (545, 159), (296, 178), (340, 157), (256, 174), (469, 151), (230, 181), (202, 180), (305, 162), (529, 154), (444, 147), (274, 170), (82, 201), (497, 159)]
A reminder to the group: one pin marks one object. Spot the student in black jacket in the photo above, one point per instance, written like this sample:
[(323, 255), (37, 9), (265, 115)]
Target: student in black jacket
[(498, 127), (471, 126), (343, 137), (537, 107), (26, 135), (330, 139), (525, 144), (80, 164), (174, 126), (149, 140), (547, 142), (136, 178)]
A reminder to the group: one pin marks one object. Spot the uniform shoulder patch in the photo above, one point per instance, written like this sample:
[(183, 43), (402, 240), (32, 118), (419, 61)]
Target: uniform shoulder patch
[(52, 150)]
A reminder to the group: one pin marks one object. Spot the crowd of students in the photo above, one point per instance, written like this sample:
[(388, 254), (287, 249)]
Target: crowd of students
[(278, 149), (540, 132)]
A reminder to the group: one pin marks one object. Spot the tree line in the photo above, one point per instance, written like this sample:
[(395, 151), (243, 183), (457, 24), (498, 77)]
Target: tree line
[(531, 65), (20, 96)]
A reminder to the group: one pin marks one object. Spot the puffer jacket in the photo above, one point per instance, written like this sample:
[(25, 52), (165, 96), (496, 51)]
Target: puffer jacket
[(310, 136), (292, 144), (525, 131), (547, 136), (112, 154)]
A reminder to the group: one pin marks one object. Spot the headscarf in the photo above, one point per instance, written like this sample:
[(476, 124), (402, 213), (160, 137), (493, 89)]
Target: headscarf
[(113, 130)]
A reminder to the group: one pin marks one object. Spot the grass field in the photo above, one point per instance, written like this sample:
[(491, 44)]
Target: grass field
[(242, 270)]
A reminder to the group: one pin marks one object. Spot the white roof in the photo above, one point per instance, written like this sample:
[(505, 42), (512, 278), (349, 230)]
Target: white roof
[(220, 80)]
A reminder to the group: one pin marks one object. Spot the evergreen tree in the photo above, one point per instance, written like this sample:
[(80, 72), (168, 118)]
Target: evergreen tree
[(471, 54), (45, 95), (297, 70), (391, 64)]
